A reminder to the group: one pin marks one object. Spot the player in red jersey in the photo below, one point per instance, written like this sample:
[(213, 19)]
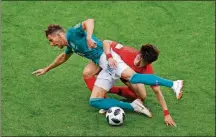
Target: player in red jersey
[(132, 58)]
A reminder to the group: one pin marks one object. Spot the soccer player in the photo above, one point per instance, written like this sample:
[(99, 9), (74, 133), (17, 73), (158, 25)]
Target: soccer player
[(133, 58), (82, 42)]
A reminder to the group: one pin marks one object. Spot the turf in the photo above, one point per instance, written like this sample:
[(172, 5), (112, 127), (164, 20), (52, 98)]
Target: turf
[(56, 104)]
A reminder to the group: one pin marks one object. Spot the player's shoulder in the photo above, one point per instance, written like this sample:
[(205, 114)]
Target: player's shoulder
[(76, 27), (131, 49), (116, 45), (122, 47)]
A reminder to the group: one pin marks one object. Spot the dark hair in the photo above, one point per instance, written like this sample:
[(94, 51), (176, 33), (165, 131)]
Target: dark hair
[(53, 28), (149, 53)]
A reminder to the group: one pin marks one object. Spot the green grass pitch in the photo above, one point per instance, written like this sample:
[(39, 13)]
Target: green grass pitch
[(56, 104)]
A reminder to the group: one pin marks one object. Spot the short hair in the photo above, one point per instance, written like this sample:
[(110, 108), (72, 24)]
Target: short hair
[(53, 28), (149, 53)]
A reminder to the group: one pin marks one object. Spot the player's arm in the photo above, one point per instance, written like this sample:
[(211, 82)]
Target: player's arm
[(107, 50), (63, 57), (167, 117), (107, 46), (88, 25)]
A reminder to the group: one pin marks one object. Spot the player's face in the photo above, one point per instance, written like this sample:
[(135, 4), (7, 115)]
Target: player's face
[(138, 62), (56, 41)]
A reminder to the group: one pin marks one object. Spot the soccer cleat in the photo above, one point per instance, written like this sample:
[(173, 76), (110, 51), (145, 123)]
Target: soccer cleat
[(102, 111), (177, 88), (140, 108)]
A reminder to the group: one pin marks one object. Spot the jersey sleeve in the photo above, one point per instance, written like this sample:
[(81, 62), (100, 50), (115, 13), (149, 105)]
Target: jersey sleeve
[(68, 50)]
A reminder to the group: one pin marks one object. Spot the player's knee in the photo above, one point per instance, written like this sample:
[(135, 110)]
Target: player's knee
[(87, 72), (90, 71)]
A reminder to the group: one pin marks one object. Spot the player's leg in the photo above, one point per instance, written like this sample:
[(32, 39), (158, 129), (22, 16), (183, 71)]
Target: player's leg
[(150, 79), (89, 77), (124, 91), (134, 91), (139, 90), (103, 84), (97, 100), (127, 92), (89, 72), (125, 72)]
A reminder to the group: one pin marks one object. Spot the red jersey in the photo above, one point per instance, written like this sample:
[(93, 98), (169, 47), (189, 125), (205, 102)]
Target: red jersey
[(128, 54)]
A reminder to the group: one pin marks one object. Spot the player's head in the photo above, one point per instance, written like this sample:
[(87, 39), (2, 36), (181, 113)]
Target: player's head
[(148, 54), (56, 35)]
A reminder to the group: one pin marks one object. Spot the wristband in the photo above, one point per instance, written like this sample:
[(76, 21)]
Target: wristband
[(109, 56), (166, 112)]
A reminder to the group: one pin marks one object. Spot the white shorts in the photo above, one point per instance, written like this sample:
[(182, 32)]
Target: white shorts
[(107, 77), (104, 80)]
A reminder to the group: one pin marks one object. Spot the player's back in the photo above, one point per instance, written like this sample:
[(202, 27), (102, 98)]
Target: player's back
[(128, 55), (76, 38)]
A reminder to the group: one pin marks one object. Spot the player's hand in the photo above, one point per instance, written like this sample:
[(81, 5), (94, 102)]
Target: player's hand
[(39, 72), (112, 63), (91, 43), (169, 121)]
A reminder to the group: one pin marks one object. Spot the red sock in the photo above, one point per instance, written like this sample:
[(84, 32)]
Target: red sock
[(90, 83), (124, 92)]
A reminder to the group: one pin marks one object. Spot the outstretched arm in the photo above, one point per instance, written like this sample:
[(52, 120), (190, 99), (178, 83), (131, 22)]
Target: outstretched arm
[(167, 118), (63, 57)]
